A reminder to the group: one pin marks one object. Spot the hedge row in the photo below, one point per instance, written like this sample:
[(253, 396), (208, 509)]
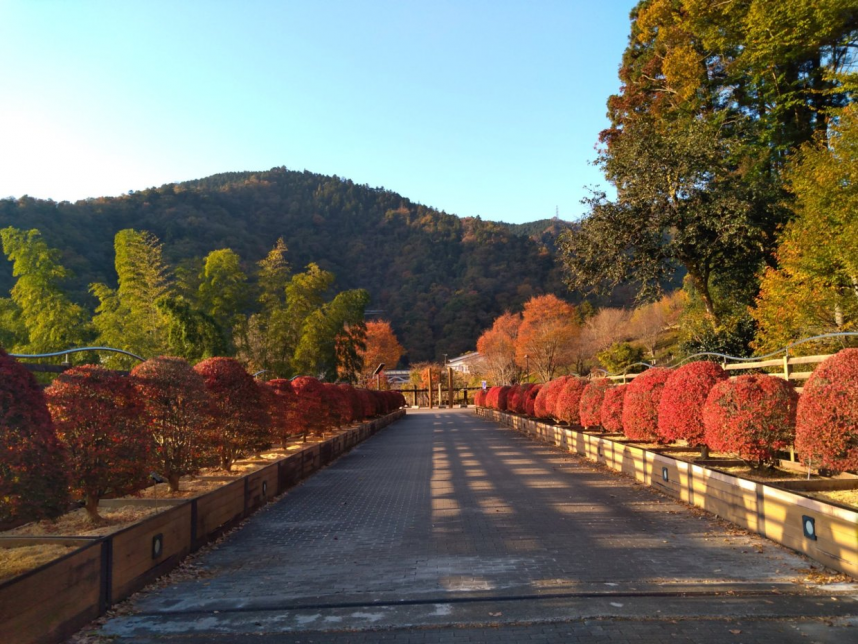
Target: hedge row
[(95, 433), (753, 416)]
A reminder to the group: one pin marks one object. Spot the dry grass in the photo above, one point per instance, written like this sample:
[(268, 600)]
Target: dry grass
[(764, 474), (78, 524), (15, 561), (847, 497)]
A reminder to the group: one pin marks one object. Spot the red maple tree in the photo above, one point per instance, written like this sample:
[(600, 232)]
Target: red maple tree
[(102, 424)]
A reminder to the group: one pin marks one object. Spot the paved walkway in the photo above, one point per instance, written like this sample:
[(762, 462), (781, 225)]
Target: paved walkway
[(447, 528)]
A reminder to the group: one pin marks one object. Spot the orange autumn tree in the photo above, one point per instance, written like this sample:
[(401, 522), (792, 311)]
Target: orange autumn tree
[(497, 347), (381, 346), (548, 337)]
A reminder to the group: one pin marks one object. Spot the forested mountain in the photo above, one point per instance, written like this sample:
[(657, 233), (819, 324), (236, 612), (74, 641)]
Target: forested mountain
[(439, 279)]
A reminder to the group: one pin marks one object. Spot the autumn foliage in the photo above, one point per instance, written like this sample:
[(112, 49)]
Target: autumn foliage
[(590, 407), (752, 416), (286, 422), (566, 408), (480, 398), (240, 419), (176, 405), (530, 399), (680, 413), (612, 408), (100, 422), (33, 481), (826, 431), (552, 392), (641, 403)]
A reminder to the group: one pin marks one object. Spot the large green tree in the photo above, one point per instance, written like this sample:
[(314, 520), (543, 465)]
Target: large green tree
[(39, 317)]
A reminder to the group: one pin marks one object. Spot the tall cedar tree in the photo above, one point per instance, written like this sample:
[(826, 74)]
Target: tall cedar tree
[(33, 470), (240, 420), (101, 422), (177, 405)]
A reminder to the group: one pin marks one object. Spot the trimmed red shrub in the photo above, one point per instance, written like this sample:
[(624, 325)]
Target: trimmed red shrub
[(752, 416), (590, 408), (480, 398), (826, 432), (33, 479), (101, 422), (555, 388), (680, 413), (566, 407), (612, 408), (640, 404), (530, 399), (337, 405), (355, 404), (240, 419), (539, 405), (503, 398), (492, 397), (513, 399), (177, 405), (286, 422), (311, 405)]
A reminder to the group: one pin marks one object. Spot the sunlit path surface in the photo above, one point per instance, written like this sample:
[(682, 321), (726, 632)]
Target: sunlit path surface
[(446, 527)]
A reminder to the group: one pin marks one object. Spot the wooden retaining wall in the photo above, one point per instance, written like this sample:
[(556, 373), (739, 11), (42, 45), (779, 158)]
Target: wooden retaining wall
[(48, 604), (778, 514)]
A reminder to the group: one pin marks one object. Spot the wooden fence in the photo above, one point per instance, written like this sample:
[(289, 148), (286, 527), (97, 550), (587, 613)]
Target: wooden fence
[(49, 603)]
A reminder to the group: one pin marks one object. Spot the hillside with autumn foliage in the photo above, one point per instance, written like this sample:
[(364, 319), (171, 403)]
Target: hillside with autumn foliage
[(438, 278)]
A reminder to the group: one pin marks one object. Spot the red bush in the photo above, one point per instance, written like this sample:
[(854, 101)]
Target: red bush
[(513, 399), (612, 408), (680, 413), (102, 424), (590, 408), (311, 405), (503, 398), (367, 401), (539, 407), (640, 405), (33, 480), (555, 388), (752, 416), (355, 404), (480, 398), (283, 410), (530, 399), (240, 419), (177, 404), (566, 407), (826, 432), (338, 406)]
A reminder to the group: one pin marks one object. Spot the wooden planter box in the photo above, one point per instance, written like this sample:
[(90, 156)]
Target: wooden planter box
[(826, 532), (48, 604)]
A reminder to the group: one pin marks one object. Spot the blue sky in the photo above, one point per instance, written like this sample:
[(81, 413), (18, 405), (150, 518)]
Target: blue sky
[(475, 108)]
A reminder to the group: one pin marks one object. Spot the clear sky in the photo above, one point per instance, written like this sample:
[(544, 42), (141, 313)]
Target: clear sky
[(487, 108)]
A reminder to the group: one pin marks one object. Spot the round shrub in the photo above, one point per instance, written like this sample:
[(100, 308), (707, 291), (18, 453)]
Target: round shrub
[(480, 398), (552, 390), (337, 405), (680, 413), (33, 479), (367, 402), (240, 419), (612, 408), (566, 407), (530, 400), (502, 398), (177, 404), (492, 397), (101, 422), (640, 405), (752, 416), (283, 410), (312, 407), (590, 408), (826, 432), (515, 399), (355, 404), (539, 409)]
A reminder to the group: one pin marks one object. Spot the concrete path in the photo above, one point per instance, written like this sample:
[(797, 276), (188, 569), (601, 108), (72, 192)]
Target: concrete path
[(446, 528)]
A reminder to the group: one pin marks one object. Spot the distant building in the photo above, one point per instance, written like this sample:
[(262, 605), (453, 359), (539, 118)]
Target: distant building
[(468, 363)]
